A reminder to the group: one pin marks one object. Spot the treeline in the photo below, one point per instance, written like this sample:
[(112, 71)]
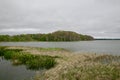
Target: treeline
[(55, 36)]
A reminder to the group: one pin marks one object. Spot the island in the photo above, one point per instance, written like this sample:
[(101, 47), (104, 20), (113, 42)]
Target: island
[(54, 36)]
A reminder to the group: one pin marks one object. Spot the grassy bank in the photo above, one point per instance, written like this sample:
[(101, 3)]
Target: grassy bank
[(70, 66), (85, 67), (102, 67)]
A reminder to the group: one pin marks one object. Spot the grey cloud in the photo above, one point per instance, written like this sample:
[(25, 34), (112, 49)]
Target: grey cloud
[(99, 18)]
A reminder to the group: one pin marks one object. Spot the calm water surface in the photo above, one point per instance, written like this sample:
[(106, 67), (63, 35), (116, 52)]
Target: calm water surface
[(10, 72), (97, 46)]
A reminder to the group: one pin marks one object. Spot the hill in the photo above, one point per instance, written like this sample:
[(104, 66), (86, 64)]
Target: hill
[(54, 36)]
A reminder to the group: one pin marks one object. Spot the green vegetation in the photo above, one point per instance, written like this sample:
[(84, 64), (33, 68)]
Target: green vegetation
[(55, 36), (31, 61)]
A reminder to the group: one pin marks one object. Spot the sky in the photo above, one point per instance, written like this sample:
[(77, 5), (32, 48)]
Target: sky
[(98, 18)]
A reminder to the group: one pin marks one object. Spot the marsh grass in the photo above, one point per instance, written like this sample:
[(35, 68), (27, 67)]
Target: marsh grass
[(86, 67), (31, 61), (107, 59), (97, 72)]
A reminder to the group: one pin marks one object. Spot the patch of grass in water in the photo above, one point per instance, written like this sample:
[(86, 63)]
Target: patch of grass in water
[(37, 61), (31, 61), (42, 62)]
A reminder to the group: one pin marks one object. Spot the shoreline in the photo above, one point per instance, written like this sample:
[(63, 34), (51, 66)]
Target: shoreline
[(69, 65)]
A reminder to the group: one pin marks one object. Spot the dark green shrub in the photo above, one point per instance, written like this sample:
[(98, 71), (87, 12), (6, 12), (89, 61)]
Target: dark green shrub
[(2, 51), (41, 62), (33, 64), (26, 57), (11, 53), (8, 54)]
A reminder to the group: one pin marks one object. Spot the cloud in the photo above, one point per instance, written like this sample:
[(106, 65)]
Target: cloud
[(99, 18), (19, 30), (12, 31)]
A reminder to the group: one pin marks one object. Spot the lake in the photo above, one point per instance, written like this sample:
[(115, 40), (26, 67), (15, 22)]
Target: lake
[(96, 46)]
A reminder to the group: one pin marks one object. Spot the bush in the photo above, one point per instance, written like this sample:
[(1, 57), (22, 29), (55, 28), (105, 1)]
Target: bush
[(37, 62), (2, 51)]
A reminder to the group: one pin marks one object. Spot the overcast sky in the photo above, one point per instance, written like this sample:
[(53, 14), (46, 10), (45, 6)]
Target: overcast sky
[(99, 18)]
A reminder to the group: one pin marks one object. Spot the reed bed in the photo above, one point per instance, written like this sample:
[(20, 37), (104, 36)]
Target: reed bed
[(85, 67)]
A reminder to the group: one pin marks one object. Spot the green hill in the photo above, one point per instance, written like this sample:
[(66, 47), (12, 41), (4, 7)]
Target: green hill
[(55, 36)]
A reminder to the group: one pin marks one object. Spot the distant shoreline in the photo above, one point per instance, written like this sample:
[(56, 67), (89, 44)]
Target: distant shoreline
[(106, 39)]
